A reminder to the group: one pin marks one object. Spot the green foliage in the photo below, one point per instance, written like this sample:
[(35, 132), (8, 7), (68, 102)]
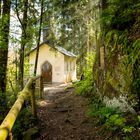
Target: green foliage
[(138, 118), (128, 129), (85, 86), (120, 32), (115, 121), (3, 104), (101, 112), (119, 14), (24, 121)]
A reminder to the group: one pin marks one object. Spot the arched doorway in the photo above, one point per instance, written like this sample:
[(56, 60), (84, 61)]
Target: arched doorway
[(46, 71)]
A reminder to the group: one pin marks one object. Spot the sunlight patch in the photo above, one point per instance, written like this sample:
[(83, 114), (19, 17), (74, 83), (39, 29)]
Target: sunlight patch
[(43, 103)]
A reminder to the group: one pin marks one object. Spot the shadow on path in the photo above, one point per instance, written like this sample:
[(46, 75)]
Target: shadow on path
[(62, 115)]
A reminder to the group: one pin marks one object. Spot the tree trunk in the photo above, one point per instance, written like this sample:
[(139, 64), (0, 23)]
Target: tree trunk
[(36, 60), (23, 43), (4, 35), (0, 7), (103, 6), (4, 42), (38, 42)]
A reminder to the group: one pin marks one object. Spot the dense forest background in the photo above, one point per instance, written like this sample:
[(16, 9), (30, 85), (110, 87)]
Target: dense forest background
[(104, 34)]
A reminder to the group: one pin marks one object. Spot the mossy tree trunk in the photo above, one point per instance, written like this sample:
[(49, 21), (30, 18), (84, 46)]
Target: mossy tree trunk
[(5, 23), (4, 42)]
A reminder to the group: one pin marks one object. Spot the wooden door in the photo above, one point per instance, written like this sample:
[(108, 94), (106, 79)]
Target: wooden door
[(47, 72)]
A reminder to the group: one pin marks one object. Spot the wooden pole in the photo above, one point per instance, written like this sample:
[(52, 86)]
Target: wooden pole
[(33, 104), (41, 86)]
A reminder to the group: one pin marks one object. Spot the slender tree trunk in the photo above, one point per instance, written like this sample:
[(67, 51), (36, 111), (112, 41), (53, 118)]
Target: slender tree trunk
[(0, 7), (16, 72), (36, 60), (4, 35), (23, 43), (102, 8), (103, 76), (38, 42)]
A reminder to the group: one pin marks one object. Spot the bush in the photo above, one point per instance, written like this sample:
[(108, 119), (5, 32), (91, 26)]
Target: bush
[(83, 87), (101, 112)]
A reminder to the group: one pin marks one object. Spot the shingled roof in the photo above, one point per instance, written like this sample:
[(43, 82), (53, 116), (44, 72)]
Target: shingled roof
[(59, 49)]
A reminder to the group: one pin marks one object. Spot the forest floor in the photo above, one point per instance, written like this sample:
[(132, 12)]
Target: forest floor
[(63, 116)]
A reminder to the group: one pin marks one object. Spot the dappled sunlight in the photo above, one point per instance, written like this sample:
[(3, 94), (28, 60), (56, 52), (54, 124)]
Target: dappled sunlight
[(71, 68), (62, 115), (56, 87), (43, 103)]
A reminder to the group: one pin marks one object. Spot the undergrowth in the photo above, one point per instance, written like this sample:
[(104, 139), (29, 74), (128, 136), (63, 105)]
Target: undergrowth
[(24, 121), (114, 123), (122, 125), (84, 86), (117, 122)]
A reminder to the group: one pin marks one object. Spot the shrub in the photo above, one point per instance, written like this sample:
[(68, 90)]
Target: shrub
[(83, 87)]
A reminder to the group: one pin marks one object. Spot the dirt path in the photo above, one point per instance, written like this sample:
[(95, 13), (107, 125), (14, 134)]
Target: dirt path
[(62, 116)]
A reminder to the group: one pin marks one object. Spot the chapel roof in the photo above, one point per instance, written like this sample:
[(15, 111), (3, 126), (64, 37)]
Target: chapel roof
[(59, 49)]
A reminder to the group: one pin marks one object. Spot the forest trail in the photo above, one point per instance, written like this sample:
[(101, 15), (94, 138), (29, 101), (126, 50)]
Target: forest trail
[(62, 116)]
